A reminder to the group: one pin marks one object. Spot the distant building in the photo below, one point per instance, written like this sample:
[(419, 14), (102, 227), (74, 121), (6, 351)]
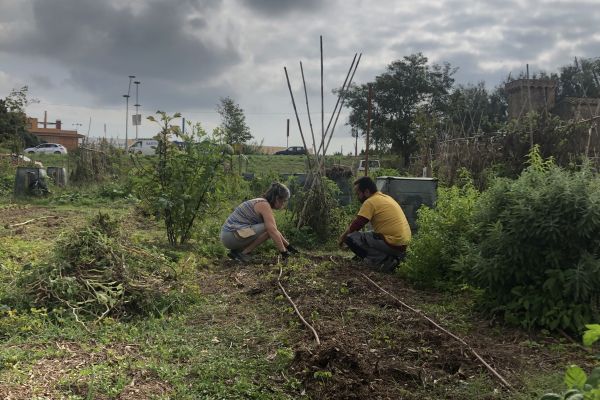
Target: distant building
[(68, 138), (577, 108), (525, 95)]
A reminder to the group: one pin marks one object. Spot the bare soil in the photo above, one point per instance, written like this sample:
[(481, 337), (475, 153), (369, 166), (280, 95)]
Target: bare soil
[(371, 346)]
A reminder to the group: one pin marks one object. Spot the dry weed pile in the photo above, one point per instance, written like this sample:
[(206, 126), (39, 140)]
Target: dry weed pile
[(96, 272)]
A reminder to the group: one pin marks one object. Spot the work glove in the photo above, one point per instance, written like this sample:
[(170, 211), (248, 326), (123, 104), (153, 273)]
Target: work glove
[(292, 250)]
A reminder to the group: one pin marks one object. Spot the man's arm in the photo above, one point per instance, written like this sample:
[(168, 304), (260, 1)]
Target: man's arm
[(356, 225)]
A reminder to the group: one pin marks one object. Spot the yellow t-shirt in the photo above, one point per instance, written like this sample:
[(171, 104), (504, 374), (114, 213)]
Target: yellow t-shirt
[(387, 218)]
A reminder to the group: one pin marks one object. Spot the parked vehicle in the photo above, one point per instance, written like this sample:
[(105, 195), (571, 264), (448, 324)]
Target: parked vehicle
[(146, 147), (374, 165), (50, 148), (294, 150)]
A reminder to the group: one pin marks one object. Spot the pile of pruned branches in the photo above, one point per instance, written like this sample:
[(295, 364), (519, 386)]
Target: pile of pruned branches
[(95, 272)]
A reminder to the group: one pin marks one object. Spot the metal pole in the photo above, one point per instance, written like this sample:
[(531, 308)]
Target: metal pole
[(369, 97), (126, 119), (127, 110), (137, 85), (287, 135)]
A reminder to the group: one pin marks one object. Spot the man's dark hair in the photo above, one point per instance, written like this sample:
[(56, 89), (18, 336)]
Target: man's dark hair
[(364, 183)]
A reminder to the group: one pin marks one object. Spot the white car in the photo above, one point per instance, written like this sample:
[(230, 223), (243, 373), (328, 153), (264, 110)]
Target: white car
[(50, 148), (374, 165)]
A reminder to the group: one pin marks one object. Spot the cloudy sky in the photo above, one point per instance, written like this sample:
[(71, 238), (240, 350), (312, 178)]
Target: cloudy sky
[(76, 55)]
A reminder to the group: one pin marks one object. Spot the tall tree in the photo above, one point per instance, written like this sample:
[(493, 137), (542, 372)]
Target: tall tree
[(580, 79), (408, 86), (233, 122), (472, 110), (13, 120)]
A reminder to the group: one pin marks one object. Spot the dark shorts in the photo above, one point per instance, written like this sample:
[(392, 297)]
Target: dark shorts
[(372, 248)]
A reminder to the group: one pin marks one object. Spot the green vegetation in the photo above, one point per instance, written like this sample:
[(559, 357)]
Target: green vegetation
[(179, 185), (529, 244), (579, 384), (98, 306), (444, 236)]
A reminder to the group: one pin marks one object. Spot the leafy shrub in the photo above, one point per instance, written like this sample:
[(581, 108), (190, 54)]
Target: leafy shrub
[(113, 191), (96, 272), (443, 238), (179, 185), (384, 172), (537, 254)]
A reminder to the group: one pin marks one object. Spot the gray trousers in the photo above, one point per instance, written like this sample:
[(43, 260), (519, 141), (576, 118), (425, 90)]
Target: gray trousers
[(234, 242), (372, 248)]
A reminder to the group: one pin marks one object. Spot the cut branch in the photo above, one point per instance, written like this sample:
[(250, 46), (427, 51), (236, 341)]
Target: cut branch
[(28, 221), (309, 326), (435, 324)]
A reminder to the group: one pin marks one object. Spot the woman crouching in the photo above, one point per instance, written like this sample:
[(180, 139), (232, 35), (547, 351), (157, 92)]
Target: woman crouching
[(253, 222)]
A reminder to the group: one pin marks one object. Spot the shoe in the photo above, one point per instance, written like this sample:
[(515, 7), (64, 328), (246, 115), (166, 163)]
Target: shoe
[(292, 250), (239, 256), (389, 264)]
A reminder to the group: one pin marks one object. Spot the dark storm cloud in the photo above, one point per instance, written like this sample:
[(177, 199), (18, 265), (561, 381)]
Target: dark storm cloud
[(42, 81), (98, 42), (174, 94), (281, 7)]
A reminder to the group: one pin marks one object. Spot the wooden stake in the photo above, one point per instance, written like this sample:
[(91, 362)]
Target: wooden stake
[(341, 104), (297, 118), (322, 104), (369, 99), (312, 132), (340, 96)]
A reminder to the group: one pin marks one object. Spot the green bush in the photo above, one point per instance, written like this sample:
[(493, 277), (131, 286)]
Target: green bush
[(443, 238), (180, 185), (537, 254)]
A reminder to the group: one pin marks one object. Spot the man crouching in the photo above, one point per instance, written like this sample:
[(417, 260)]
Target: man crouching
[(385, 246)]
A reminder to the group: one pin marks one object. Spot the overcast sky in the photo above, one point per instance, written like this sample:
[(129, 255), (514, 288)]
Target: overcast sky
[(76, 55)]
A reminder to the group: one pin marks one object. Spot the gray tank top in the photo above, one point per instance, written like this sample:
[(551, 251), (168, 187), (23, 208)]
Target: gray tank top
[(243, 216)]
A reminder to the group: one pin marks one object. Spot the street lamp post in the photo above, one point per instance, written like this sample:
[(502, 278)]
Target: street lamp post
[(137, 105), (127, 110)]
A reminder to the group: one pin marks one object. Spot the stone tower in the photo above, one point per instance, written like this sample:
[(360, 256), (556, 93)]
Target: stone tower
[(525, 95)]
